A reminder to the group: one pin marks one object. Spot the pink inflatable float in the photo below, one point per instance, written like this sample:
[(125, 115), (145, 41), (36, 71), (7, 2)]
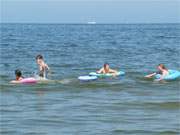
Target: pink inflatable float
[(28, 80)]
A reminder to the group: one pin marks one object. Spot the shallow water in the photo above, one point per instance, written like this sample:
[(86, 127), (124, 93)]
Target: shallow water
[(129, 105)]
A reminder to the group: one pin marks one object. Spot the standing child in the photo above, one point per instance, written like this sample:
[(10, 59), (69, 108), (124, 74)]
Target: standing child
[(43, 67)]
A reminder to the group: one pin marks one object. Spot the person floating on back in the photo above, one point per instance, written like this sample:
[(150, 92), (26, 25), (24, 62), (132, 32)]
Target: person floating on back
[(43, 67), (162, 70), (106, 69), (18, 76)]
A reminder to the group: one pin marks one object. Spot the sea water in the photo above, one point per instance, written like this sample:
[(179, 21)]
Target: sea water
[(129, 105)]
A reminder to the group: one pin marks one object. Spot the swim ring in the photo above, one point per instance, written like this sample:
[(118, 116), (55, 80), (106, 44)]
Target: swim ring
[(87, 78), (28, 80), (173, 75), (120, 73)]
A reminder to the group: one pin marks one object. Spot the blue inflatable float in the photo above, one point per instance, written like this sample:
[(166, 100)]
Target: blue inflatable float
[(120, 73), (87, 78), (173, 75)]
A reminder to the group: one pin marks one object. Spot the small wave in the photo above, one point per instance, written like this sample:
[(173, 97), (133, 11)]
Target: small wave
[(44, 121), (7, 132), (164, 105), (166, 37), (168, 132), (3, 76), (64, 81)]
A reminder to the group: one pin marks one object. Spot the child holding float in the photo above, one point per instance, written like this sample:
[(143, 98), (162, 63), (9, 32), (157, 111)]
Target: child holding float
[(162, 70), (106, 69), (164, 74), (18, 75), (20, 79), (104, 72)]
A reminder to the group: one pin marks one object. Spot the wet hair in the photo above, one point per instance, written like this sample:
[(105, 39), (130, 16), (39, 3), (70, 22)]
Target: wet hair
[(39, 57), (162, 66), (105, 64), (18, 73)]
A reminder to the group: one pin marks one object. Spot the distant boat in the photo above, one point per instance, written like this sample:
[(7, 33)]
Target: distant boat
[(91, 22)]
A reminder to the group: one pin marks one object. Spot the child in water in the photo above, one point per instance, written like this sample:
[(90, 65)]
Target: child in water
[(42, 66), (18, 76), (161, 70), (106, 69)]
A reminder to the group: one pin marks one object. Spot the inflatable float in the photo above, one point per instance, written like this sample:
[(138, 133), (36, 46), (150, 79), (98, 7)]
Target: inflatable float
[(29, 80), (120, 73), (87, 78), (173, 75)]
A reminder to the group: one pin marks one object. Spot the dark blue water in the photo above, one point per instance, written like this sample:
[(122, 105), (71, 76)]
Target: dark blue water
[(130, 105)]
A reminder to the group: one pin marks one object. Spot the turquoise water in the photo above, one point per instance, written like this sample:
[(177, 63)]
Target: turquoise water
[(129, 105)]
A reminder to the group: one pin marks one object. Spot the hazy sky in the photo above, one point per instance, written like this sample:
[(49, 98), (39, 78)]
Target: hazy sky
[(82, 11)]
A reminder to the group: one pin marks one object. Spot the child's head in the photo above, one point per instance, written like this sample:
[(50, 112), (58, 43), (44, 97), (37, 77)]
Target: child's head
[(18, 73), (106, 66), (39, 58), (161, 67)]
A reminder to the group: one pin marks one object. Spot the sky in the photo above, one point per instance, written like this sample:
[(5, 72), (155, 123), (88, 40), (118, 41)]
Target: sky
[(83, 11)]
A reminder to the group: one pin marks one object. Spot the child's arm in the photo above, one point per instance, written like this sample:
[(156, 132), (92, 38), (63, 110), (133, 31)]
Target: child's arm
[(47, 67), (40, 68), (112, 71), (100, 71), (14, 81), (150, 75)]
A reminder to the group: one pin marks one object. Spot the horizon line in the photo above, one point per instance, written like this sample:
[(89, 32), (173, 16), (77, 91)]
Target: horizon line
[(76, 23)]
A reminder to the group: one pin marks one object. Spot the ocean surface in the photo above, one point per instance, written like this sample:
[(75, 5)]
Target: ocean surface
[(128, 105)]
